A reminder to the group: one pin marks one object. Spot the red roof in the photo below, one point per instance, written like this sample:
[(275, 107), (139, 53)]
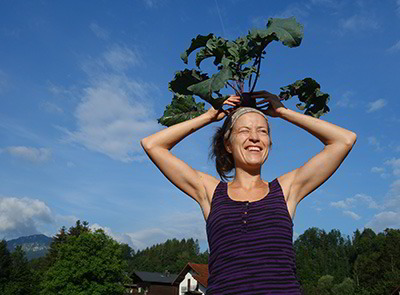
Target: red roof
[(201, 271)]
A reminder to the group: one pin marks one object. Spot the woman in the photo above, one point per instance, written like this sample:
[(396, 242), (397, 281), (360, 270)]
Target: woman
[(249, 220)]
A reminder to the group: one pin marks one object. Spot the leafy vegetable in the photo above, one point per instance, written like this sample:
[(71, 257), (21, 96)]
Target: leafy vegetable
[(308, 92), (236, 62), (182, 108)]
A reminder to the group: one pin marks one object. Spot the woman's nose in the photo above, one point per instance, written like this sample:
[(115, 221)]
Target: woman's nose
[(253, 135)]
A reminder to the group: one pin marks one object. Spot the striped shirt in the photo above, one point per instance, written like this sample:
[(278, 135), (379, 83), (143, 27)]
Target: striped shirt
[(251, 247)]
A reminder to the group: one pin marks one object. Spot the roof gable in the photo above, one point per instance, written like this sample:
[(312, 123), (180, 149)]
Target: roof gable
[(201, 271)]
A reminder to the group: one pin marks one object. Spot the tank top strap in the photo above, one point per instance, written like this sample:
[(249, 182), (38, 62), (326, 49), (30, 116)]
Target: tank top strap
[(221, 190)]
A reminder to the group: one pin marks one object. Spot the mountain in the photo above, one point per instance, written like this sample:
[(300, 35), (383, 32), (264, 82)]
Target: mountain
[(34, 246)]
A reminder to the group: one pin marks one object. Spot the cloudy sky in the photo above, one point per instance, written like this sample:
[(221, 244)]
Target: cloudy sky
[(82, 81)]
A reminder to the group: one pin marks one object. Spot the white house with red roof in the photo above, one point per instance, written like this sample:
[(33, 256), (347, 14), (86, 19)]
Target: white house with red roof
[(192, 279)]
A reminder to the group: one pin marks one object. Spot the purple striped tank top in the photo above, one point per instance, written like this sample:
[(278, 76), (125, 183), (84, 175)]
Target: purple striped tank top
[(251, 247)]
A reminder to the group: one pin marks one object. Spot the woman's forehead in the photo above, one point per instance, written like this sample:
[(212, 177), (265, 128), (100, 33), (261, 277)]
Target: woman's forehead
[(250, 119)]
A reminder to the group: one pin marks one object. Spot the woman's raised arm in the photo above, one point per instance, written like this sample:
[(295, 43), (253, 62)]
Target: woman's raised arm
[(337, 144), (158, 146)]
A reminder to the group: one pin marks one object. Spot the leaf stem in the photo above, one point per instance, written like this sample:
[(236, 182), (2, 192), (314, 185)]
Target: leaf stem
[(257, 75), (234, 88), (251, 76)]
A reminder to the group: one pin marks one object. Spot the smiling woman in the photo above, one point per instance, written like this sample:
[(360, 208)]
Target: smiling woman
[(249, 220)]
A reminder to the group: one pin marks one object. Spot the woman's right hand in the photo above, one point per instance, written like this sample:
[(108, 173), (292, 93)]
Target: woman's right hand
[(216, 115)]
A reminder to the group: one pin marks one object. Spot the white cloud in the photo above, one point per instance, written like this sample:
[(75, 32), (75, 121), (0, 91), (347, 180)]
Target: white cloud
[(359, 201), (381, 171), (395, 47), (121, 238), (358, 22), (351, 214), (376, 105), (392, 202), (100, 32), (395, 164), (177, 225), (383, 220), (115, 111), (120, 58), (395, 189), (36, 155), (22, 216), (340, 204), (368, 201), (347, 101), (377, 170)]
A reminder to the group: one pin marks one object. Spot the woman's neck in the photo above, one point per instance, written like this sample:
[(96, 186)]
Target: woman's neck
[(246, 179)]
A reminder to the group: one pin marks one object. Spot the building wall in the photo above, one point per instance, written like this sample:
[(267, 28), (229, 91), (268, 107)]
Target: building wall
[(193, 283), (156, 290), (162, 290)]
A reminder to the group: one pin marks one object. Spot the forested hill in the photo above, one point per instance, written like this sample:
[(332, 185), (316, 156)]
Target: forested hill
[(34, 246), (328, 263)]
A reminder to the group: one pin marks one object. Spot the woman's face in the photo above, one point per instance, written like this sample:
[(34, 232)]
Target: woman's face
[(249, 140)]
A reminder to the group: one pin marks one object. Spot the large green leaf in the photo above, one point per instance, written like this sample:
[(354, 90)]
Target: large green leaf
[(199, 41), (184, 79), (214, 47), (286, 30), (182, 108), (313, 100), (205, 89)]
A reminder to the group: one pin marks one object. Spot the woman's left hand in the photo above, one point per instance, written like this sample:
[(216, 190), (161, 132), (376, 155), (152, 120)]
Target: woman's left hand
[(270, 103)]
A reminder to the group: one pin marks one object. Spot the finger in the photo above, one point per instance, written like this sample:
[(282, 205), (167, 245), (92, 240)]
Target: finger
[(234, 97), (233, 104)]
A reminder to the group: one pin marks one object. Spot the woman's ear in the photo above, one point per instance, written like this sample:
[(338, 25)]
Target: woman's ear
[(227, 145)]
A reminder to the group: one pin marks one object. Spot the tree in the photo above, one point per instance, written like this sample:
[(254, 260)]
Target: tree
[(347, 287), (173, 255), (88, 263), (320, 254), (325, 284), (21, 278), (5, 266), (15, 275)]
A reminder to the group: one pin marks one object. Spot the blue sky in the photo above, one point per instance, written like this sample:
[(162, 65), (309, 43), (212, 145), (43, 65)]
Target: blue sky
[(82, 81)]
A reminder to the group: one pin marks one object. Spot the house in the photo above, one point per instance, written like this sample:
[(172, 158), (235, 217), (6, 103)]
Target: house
[(153, 283), (192, 279)]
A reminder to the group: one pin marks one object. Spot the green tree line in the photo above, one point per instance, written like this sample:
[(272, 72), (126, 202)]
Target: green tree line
[(329, 263), (82, 261)]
